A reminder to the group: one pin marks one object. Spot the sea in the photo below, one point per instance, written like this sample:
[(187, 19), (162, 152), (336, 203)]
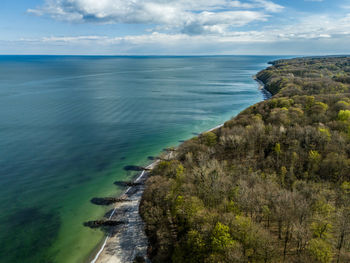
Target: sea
[(70, 126)]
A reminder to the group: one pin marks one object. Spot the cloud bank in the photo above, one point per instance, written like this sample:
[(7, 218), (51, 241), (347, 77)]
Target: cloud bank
[(187, 27), (190, 17)]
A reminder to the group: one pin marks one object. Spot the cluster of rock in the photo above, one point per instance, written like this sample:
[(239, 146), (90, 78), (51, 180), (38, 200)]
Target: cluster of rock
[(103, 223), (108, 200), (128, 183), (105, 201)]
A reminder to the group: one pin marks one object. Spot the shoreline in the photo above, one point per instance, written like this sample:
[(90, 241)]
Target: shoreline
[(101, 257), (142, 176), (262, 87), (230, 161)]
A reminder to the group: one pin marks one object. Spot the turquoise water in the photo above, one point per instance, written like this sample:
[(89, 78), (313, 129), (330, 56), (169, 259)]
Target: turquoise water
[(68, 126)]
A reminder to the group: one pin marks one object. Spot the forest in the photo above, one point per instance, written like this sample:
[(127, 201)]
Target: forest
[(271, 185)]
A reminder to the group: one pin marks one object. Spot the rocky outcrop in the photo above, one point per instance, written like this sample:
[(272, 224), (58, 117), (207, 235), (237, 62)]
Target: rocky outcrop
[(108, 200), (135, 168), (103, 223), (128, 183)]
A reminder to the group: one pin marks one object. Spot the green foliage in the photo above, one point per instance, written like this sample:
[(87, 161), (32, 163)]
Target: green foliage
[(322, 105), (233, 208), (314, 156), (321, 229), (171, 168), (322, 225), (344, 103), (320, 250), (325, 132), (310, 102), (344, 115), (220, 238), (346, 187), (179, 170), (187, 208), (277, 148), (209, 138), (297, 111), (195, 240)]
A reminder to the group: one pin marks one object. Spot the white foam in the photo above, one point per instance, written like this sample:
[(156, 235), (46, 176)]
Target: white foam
[(139, 178), (216, 127), (100, 251)]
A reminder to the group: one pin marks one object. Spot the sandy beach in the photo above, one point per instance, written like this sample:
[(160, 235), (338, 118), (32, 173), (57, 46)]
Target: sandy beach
[(129, 240)]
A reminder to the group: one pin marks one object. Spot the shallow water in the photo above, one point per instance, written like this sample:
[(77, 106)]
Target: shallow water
[(68, 126)]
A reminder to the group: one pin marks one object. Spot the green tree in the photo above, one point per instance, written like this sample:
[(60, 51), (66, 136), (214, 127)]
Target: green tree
[(320, 250), (283, 176), (322, 225), (344, 115), (209, 138), (221, 238), (278, 148)]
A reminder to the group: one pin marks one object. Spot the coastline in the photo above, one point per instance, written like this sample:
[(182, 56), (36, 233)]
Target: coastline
[(135, 116), (262, 87), (187, 235), (109, 253), (112, 239)]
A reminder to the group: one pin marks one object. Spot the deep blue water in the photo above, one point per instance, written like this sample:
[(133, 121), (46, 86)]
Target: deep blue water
[(68, 126)]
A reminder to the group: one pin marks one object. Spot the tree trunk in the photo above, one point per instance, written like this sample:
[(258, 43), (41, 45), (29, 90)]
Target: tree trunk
[(340, 245), (280, 229), (286, 240)]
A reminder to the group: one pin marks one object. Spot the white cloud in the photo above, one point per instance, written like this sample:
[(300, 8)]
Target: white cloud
[(316, 26), (195, 27), (308, 33), (269, 6), (311, 27), (187, 16)]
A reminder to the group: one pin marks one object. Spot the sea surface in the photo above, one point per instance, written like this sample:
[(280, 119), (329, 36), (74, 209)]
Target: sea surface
[(70, 125)]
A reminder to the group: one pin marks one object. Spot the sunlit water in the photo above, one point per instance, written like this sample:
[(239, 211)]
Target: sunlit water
[(68, 126)]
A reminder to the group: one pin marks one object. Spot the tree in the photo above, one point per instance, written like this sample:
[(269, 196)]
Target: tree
[(344, 115), (209, 138), (314, 161), (320, 250), (221, 238)]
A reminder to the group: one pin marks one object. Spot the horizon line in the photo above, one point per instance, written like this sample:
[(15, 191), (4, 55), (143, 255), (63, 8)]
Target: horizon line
[(170, 55)]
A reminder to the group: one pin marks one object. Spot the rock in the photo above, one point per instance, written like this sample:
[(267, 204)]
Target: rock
[(108, 200), (139, 259), (128, 184), (133, 168), (101, 223)]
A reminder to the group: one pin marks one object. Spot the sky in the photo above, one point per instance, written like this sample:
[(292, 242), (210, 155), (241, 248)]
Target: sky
[(175, 27)]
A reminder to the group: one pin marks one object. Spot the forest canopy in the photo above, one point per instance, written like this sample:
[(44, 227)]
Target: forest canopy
[(271, 185)]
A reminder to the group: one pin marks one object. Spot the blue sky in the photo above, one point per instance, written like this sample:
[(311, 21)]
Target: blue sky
[(175, 27)]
